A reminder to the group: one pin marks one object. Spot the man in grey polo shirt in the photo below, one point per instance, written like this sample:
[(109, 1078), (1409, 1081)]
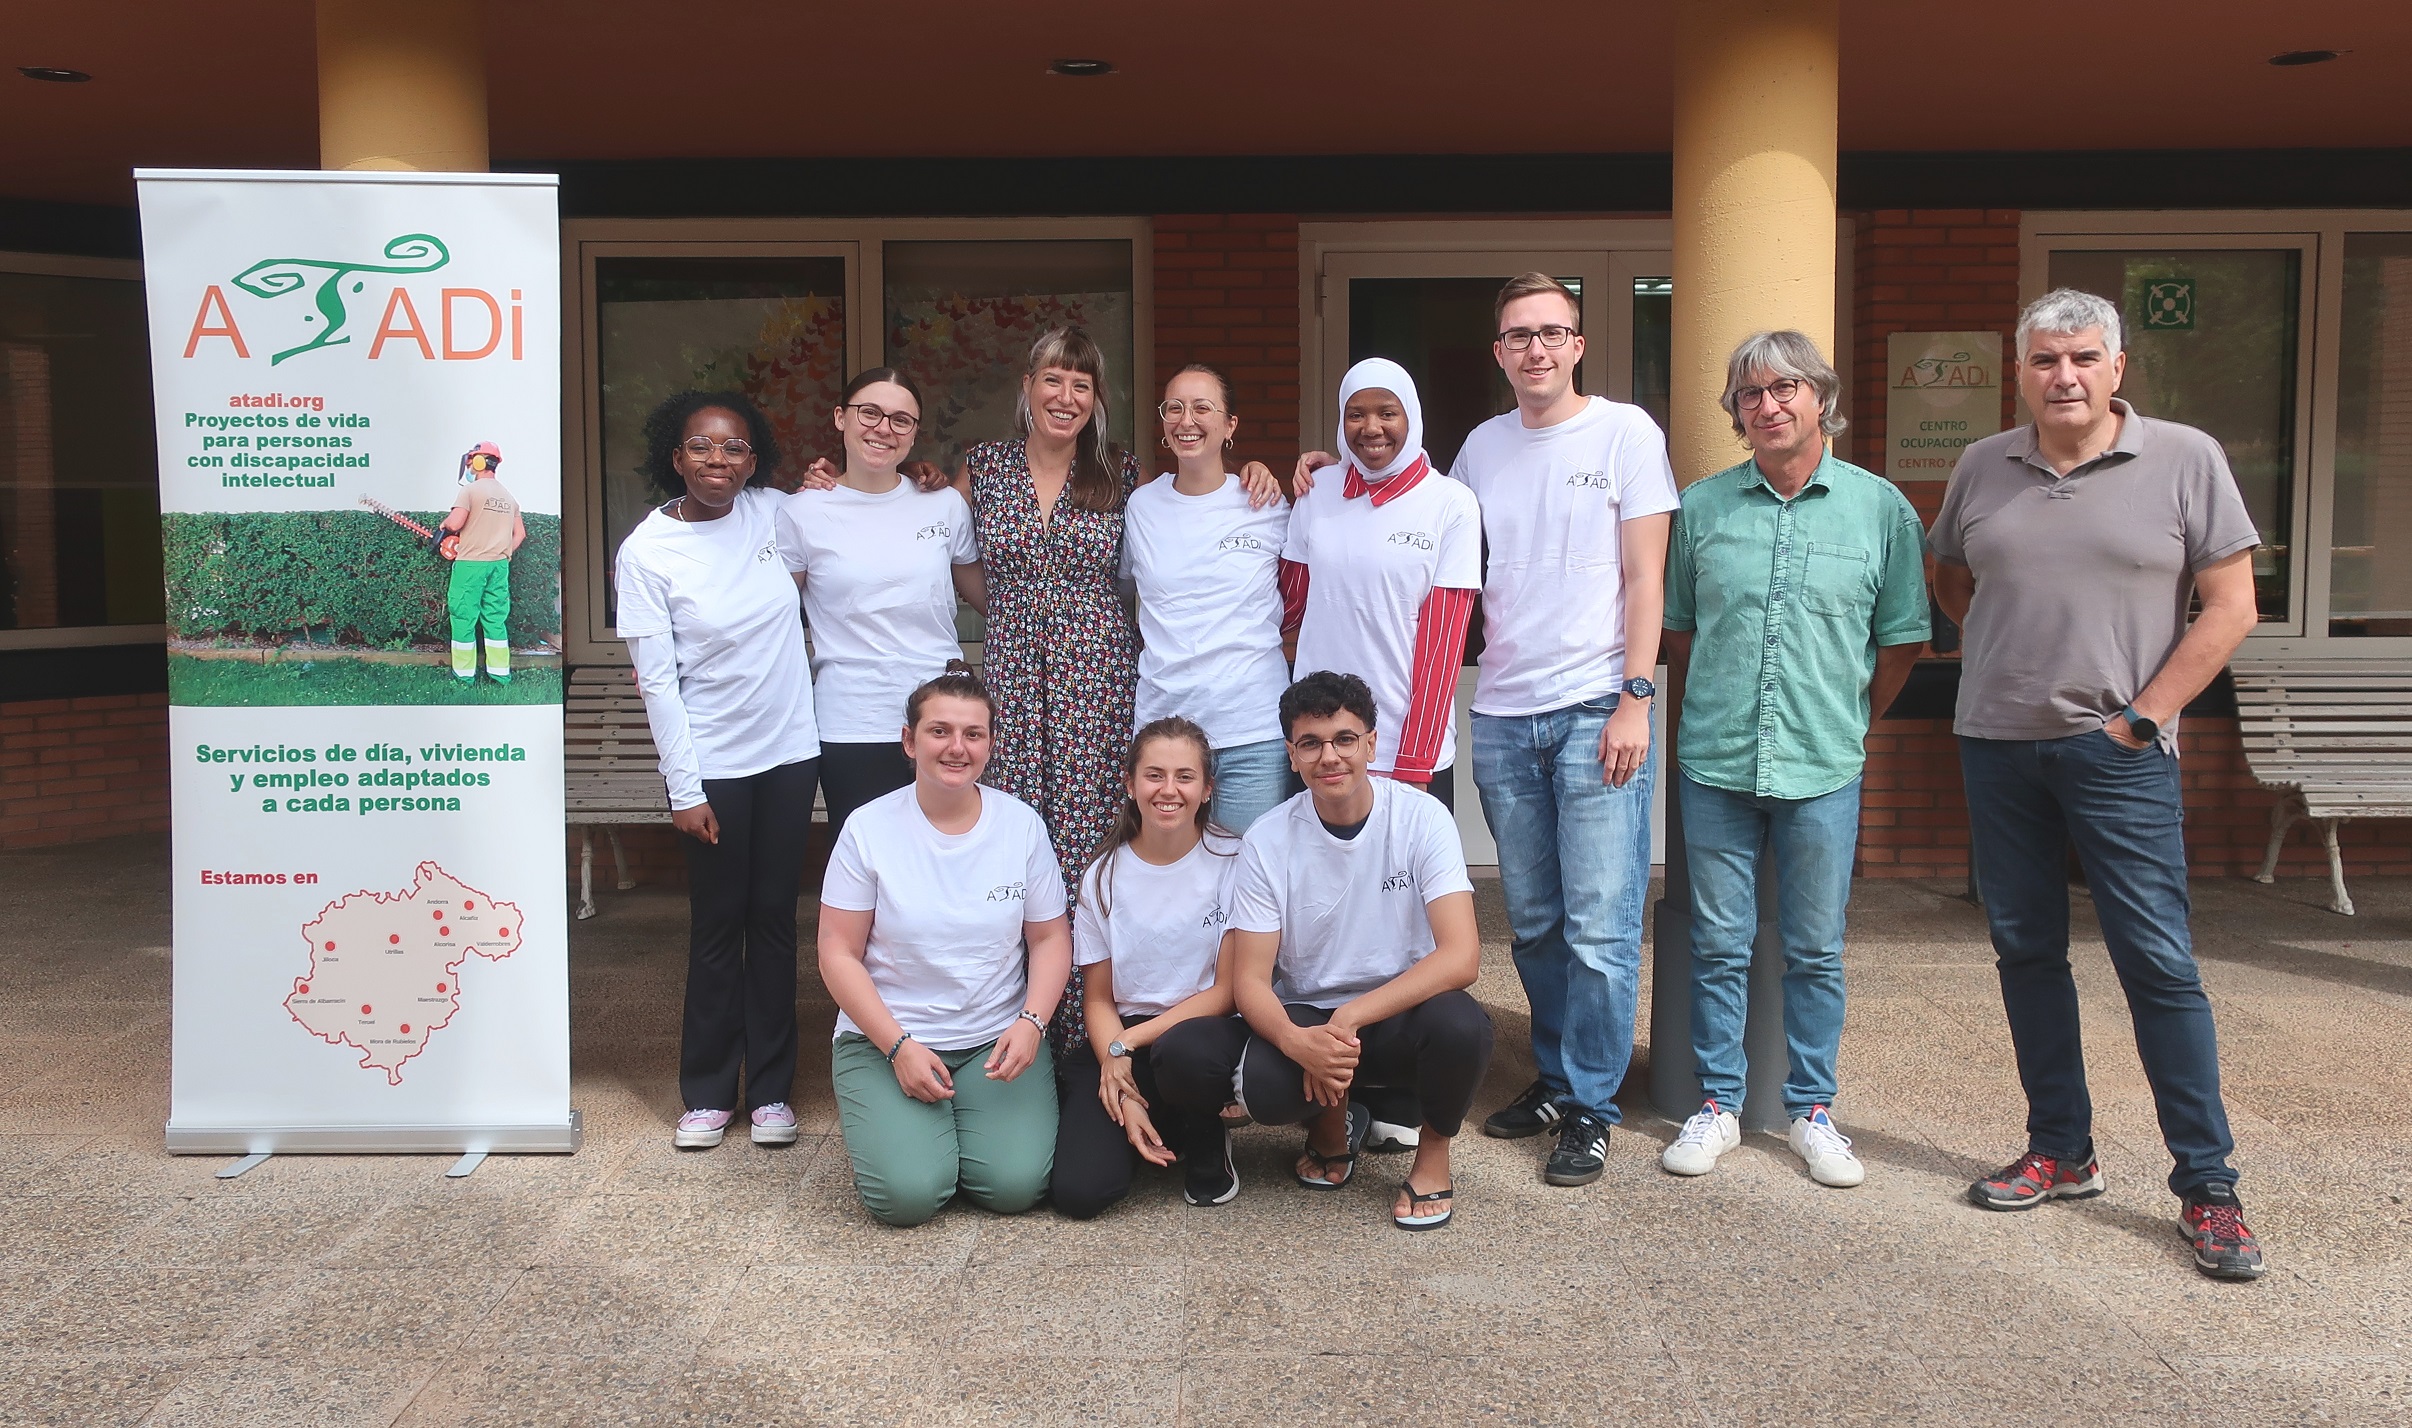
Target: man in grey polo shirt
[(2068, 551)]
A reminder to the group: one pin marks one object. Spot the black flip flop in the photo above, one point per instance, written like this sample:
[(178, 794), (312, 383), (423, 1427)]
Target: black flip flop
[(1413, 1221), (1360, 1121)]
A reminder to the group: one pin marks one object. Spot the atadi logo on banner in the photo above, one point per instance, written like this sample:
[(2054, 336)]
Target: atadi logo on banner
[(361, 508)]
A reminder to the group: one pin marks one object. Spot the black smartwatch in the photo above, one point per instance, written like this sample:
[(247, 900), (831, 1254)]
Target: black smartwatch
[(2145, 729), (1640, 688)]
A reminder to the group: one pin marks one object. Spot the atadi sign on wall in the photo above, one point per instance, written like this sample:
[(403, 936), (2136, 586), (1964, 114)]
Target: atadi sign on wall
[(1945, 391), (357, 382)]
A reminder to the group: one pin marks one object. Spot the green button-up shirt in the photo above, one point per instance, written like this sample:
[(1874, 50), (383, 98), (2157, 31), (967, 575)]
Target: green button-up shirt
[(1788, 601)]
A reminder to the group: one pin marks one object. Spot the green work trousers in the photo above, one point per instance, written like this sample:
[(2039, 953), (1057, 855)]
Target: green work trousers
[(995, 1140), (480, 594)]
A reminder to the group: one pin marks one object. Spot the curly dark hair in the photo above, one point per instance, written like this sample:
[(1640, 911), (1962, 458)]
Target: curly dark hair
[(1322, 694), (667, 426)]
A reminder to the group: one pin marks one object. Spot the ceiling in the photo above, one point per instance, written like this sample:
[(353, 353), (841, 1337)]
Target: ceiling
[(231, 83)]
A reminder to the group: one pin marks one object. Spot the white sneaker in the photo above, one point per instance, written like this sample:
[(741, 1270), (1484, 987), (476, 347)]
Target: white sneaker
[(774, 1124), (1828, 1151), (701, 1130), (1708, 1134), (1388, 1139)]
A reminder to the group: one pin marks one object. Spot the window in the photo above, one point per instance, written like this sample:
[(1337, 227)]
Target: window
[(786, 311), (79, 475), (2288, 336)]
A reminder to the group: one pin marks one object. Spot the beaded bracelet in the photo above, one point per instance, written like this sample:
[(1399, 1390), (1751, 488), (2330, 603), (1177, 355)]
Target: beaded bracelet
[(899, 1046)]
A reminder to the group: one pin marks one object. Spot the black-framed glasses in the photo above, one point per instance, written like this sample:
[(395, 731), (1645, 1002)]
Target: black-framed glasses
[(1783, 389), (902, 423), (1516, 339), (700, 448), (1312, 747), (1175, 410)]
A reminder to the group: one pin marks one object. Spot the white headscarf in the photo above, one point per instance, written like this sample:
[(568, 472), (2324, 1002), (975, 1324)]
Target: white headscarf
[(1390, 377)]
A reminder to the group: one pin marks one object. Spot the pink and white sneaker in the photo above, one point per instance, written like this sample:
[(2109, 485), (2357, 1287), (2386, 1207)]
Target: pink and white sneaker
[(775, 1124), (701, 1130)]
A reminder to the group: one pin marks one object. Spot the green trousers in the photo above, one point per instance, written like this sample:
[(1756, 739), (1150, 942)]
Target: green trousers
[(480, 594), (995, 1140)]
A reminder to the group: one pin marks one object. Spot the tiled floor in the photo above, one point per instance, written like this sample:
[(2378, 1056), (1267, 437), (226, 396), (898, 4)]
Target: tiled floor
[(633, 1284)]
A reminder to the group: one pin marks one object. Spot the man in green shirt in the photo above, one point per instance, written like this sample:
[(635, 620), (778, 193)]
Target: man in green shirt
[(1796, 604)]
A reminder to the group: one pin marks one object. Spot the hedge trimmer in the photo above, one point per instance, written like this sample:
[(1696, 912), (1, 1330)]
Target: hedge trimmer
[(445, 543)]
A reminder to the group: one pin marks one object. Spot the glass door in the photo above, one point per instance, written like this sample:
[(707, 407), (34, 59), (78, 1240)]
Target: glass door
[(1431, 313)]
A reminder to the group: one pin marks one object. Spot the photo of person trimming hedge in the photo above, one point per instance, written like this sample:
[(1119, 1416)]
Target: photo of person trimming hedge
[(483, 531)]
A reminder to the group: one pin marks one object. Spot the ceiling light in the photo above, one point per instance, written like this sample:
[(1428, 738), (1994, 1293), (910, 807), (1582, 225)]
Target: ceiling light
[(1081, 68), (2293, 58), (52, 75)]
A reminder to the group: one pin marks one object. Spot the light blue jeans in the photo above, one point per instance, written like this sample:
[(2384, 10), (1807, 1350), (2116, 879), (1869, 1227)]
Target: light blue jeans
[(1813, 841), (1249, 779), (1574, 866)]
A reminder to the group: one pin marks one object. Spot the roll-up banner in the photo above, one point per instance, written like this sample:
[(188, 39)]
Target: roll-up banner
[(357, 383)]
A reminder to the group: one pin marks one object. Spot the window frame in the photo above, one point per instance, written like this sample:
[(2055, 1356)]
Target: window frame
[(861, 243), (2320, 236), (56, 637)]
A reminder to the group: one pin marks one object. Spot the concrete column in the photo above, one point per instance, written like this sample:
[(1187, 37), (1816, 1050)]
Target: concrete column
[(1756, 86), (401, 86)]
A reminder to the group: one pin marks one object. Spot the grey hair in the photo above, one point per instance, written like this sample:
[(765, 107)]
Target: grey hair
[(2066, 310), (1784, 353)]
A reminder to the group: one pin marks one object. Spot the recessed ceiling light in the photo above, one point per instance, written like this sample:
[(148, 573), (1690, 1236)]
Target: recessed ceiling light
[(2293, 58), (52, 75), (1081, 68)]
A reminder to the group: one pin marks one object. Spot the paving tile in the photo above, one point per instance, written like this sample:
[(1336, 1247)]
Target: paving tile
[(366, 1316), (311, 1392), (81, 1391), (136, 1311), (632, 1311), (276, 1231), (74, 1229), (1358, 1387), (454, 1223), (570, 1391)]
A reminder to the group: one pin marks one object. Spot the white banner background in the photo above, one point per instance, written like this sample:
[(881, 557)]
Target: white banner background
[(249, 1074)]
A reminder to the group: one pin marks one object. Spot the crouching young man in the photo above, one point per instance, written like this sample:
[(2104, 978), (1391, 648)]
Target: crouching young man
[(1354, 945)]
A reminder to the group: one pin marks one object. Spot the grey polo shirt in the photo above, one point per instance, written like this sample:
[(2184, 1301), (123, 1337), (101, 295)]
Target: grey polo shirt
[(2082, 580)]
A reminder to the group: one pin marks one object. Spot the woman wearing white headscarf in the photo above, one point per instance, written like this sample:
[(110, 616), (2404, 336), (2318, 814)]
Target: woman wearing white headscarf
[(1379, 574)]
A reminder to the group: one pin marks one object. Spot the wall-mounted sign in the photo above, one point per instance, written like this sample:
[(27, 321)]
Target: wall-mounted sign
[(2169, 304), (1945, 392)]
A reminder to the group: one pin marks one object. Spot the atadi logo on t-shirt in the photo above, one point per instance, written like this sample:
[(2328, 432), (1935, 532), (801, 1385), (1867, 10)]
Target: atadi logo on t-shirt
[(1239, 542), (769, 551), (1397, 882), (935, 530), (1215, 917), (1006, 892), (1421, 540), (1591, 480)]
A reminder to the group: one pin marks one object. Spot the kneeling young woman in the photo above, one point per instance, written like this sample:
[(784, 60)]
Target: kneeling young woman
[(1149, 935), (934, 891)]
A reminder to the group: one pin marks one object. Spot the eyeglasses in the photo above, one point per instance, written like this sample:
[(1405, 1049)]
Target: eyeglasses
[(1312, 747), (1174, 411), (700, 448), (1782, 389), (902, 423), (1516, 339)]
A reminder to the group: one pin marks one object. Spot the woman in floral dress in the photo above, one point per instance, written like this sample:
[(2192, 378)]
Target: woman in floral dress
[(1062, 651)]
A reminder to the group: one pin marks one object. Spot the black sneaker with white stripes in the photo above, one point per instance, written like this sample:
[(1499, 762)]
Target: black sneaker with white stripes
[(1209, 1177), (1582, 1151), (1529, 1114)]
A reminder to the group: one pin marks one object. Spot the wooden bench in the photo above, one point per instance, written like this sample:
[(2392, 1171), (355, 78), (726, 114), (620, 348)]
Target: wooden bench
[(612, 774), (2334, 736)]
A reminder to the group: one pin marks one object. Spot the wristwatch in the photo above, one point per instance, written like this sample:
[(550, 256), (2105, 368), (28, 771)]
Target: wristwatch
[(1640, 688), (1116, 1048), (2144, 729)]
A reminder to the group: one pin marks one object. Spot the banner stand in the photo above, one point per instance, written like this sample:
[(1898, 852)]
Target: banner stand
[(562, 1139)]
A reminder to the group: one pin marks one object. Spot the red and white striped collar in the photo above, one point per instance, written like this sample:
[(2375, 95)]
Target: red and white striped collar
[(1389, 489)]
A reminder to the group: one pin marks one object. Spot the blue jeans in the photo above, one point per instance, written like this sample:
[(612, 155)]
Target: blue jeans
[(1574, 866), (1813, 841), (2028, 800), (1249, 779)]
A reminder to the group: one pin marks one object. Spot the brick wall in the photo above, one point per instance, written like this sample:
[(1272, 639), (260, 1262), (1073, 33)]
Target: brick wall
[(73, 769), (1227, 294)]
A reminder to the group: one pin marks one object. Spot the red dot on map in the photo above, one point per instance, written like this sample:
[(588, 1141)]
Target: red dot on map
[(406, 1028), (304, 989), (330, 947), (439, 986), (468, 906), (438, 914), (390, 937), (364, 1008)]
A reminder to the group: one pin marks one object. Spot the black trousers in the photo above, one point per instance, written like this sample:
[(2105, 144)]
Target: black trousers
[(1186, 1078), (854, 774), (741, 940), (1439, 1049)]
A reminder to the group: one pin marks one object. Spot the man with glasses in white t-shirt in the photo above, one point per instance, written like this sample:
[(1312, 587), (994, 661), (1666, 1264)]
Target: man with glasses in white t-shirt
[(1576, 500)]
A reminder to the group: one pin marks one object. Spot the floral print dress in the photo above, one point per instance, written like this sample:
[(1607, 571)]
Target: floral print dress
[(1061, 661)]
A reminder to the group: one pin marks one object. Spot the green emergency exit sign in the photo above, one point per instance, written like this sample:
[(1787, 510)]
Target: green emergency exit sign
[(2169, 305)]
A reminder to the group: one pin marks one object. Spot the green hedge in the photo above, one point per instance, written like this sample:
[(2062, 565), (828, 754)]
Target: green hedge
[(350, 575)]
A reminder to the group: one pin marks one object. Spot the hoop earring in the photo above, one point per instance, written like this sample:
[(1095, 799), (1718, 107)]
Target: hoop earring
[(1226, 443), (1165, 442)]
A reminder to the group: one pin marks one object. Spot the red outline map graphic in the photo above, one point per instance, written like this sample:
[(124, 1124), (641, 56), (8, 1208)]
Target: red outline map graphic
[(385, 967)]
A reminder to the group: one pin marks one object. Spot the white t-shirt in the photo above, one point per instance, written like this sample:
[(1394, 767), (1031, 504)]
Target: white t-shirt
[(879, 593), (723, 593), (1209, 575), (946, 911), (1350, 911), (1163, 926), (1553, 602), (1371, 568)]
